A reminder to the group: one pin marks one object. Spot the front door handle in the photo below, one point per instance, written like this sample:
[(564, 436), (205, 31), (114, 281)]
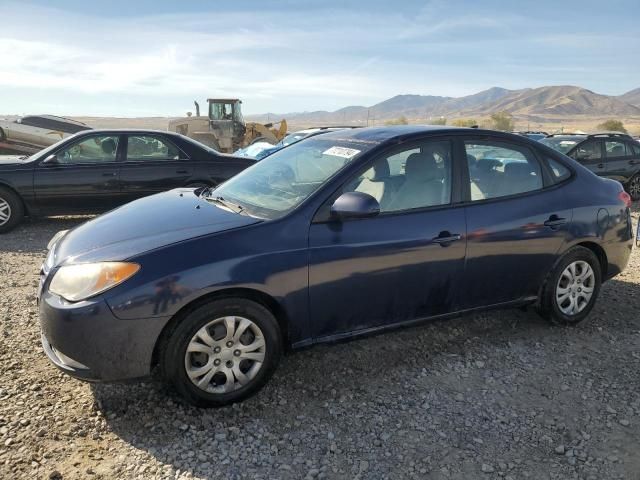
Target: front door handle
[(632, 162), (109, 174), (444, 239), (600, 165), (555, 221), (182, 171)]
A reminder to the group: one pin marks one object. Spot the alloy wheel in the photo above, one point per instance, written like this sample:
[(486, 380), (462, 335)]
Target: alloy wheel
[(225, 354), (575, 287), (634, 187), (5, 211)]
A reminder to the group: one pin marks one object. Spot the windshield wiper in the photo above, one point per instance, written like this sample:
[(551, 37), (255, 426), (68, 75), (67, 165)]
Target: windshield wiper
[(234, 207)]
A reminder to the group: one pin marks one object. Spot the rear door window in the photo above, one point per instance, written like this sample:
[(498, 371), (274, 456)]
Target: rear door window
[(498, 169), (147, 148), (616, 149)]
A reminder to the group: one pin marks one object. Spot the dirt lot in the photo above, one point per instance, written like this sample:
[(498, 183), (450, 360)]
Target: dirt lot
[(498, 395)]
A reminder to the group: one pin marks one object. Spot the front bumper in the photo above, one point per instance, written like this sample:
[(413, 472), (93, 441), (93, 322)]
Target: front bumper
[(87, 341)]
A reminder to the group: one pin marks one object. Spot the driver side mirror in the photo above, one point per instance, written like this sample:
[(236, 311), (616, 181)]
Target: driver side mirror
[(355, 205)]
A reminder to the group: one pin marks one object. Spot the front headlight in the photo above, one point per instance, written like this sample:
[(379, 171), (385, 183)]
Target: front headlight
[(79, 282)]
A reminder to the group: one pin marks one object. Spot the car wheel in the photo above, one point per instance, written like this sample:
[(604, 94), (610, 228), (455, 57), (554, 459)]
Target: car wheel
[(571, 288), (11, 210), (633, 188), (222, 352)]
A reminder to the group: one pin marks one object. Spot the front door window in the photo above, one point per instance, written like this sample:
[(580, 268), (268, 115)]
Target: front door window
[(94, 149)]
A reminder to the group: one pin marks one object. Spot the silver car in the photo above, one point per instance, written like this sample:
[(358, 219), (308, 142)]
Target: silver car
[(34, 132)]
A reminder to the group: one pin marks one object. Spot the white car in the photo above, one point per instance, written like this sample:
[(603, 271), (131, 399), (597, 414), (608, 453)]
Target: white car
[(260, 150), (34, 132)]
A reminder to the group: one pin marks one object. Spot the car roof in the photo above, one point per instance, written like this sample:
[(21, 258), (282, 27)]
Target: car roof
[(54, 117), (129, 130), (567, 135), (591, 135), (400, 132)]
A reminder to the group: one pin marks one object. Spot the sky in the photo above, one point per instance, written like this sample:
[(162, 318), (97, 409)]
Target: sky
[(153, 58)]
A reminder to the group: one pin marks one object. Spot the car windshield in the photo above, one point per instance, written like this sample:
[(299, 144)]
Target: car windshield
[(561, 144), (44, 153), (285, 179), (292, 138)]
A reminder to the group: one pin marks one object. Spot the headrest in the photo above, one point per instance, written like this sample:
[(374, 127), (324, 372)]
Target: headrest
[(108, 146), (381, 171), (421, 166)]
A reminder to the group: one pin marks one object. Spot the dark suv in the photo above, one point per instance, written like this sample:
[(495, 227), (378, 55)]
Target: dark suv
[(608, 154)]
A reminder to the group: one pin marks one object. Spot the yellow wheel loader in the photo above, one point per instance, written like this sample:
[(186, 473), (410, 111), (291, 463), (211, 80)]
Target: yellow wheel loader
[(224, 128)]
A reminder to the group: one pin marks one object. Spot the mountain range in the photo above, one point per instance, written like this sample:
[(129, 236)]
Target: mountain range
[(533, 103)]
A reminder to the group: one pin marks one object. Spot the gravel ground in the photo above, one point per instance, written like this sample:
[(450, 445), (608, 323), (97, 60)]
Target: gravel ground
[(496, 395)]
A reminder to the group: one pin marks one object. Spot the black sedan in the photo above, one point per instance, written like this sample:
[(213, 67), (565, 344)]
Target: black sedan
[(97, 170)]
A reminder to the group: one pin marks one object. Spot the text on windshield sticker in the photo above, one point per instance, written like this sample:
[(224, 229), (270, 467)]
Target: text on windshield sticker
[(341, 152)]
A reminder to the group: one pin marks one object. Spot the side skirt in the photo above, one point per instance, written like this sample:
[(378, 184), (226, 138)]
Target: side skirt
[(366, 332)]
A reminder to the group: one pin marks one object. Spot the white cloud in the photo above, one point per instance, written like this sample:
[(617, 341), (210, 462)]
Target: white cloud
[(278, 60)]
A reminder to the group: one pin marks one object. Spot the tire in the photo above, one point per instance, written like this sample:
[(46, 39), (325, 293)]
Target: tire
[(11, 210), (563, 297), (633, 187), (214, 358), (260, 139)]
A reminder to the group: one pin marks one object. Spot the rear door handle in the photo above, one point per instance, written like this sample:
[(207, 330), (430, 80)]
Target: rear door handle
[(444, 239), (109, 174), (600, 165), (632, 162), (555, 221), (182, 171)]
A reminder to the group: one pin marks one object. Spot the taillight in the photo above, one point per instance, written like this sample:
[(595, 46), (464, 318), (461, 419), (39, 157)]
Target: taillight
[(625, 198)]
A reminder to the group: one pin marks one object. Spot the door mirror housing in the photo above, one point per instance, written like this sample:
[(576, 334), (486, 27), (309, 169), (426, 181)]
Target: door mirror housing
[(355, 205)]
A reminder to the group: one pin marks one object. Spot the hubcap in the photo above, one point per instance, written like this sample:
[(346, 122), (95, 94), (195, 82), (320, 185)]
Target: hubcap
[(575, 287), (224, 355), (5, 211)]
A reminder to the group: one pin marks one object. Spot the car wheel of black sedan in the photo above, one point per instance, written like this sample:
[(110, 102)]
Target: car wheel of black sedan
[(633, 187), (11, 210), (572, 287), (222, 352)]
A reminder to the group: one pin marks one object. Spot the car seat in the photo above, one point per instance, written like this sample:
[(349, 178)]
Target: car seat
[(377, 183), (423, 185), (109, 147)]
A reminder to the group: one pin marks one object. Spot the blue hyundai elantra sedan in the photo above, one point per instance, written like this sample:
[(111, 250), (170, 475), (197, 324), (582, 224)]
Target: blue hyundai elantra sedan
[(340, 235)]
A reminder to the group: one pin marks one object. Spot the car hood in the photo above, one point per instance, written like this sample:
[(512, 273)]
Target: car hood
[(146, 224)]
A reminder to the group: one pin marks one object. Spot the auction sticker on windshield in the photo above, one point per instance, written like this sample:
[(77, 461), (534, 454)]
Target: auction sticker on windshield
[(343, 152)]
